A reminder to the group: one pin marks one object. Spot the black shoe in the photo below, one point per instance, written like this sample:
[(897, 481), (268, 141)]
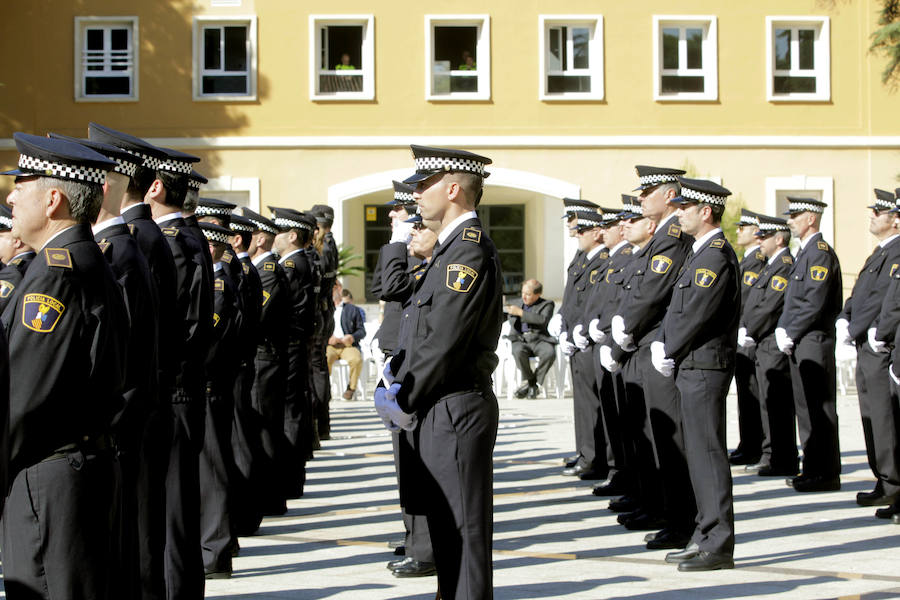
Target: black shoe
[(523, 390), (608, 487), (707, 561), (644, 522), (235, 548), (218, 574), (533, 392), (739, 457), (817, 484), (668, 540), (889, 512), (400, 551), (592, 475), (415, 568), (397, 562), (689, 552), (624, 504), (874, 498), (755, 467), (652, 535), (571, 461), (774, 471), (577, 470), (625, 516)]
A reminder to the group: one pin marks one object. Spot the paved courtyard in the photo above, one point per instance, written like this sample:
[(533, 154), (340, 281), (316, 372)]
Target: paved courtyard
[(552, 538)]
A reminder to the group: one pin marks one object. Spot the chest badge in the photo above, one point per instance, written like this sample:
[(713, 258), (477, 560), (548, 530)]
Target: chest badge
[(460, 278)]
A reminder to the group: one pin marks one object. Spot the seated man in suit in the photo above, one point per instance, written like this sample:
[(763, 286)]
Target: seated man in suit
[(349, 329), (529, 336)]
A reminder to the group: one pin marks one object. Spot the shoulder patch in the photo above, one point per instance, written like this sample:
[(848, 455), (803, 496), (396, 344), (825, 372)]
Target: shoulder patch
[(778, 283), (6, 288), (704, 277), (471, 235), (289, 264), (170, 231), (227, 256), (660, 263), (58, 257), (822, 245), (787, 260), (269, 266), (674, 231), (750, 278), (719, 243), (131, 228), (41, 313), (220, 285), (818, 273), (460, 278), (104, 246), (266, 296)]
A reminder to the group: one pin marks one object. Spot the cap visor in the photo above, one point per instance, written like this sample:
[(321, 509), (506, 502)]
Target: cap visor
[(681, 200), (18, 172), (417, 177)]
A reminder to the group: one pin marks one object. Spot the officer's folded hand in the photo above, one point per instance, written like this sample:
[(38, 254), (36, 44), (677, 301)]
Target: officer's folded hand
[(567, 347), (554, 327), (665, 366), (842, 332), (581, 340), (398, 417), (595, 332), (744, 340), (381, 408), (606, 359), (624, 340), (784, 343), (876, 345), (402, 232)]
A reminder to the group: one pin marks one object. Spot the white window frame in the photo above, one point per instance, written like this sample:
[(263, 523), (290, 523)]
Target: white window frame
[(709, 49), (823, 185), (316, 22), (227, 183), (595, 52), (821, 51), (82, 24), (199, 22), (482, 53)]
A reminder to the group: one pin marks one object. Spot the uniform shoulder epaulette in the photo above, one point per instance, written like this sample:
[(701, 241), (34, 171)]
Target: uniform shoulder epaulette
[(170, 231), (604, 254), (268, 266), (787, 260), (674, 231), (227, 256), (58, 257), (15, 261), (220, 285), (760, 255), (627, 250), (289, 264), (822, 245), (471, 234), (719, 243), (104, 246)]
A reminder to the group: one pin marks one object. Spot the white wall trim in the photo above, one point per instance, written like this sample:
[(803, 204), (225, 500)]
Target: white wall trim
[(227, 183), (825, 185)]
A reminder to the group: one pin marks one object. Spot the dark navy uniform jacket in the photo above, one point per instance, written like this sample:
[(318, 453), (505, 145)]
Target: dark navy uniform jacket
[(606, 287), (253, 301), (813, 297), (67, 332), (392, 283), (700, 326), (751, 266), (275, 307), (764, 303), (864, 304), (10, 276), (300, 278), (591, 272), (224, 354)]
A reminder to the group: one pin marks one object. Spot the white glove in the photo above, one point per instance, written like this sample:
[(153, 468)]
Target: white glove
[(607, 360), (567, 347), (595, 332), (581, 341), (784, 343), (893, 377), (554, 327), (842, 332), (624, 340), (876, 345), (665, 366), (395, 413), (381, 408), (744, 340), (402, 232)]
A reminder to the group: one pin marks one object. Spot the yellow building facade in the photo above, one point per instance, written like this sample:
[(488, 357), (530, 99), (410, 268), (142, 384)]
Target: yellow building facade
[(301, 103)]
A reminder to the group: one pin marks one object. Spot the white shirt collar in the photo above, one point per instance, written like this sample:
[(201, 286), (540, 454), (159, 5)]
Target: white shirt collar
[(803, 243), (777, 254), (750, 249), (107, 223), (288, 255), (166, 218), (27, 252), (58, 233), (449, 229), (887, 241), (617, 246), (243, 254), (699, 243), (664, 221), (260, 258), (592, 253), (217, 267)]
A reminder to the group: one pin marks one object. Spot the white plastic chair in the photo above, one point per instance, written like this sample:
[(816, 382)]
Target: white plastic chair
[(845, 359)]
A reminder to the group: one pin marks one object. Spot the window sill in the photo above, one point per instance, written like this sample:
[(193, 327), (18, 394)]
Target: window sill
[(571, 97), (107, 99), (225, 98), (458, 97)]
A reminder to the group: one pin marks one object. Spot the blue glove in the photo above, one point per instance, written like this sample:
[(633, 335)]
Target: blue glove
[(391, 392)]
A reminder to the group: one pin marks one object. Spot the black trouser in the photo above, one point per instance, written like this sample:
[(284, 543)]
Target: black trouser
[(545, 352), (267, 399), (216, 479), (56, 528), (636, 441), (297, 417), (703, 395), (455, 441), (183, 558), (417, 538), (880, 416), (249, 457), (322, 378), (776, 406), (749, 420), (815, 400), (590, 442), (610, 388)]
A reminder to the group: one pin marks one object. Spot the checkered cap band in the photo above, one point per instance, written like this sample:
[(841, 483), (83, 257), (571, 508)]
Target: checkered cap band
[(212, 211), (263, 226), (805, 207), (291, 224), (748, 221), (125, 167), (235, 226), (194, 184), (175, 166), (403, 197), (53, 169), (6, 222), (637, 208), (764, 226), (150, 162), (429, 164), (658, 178), (690, 194), (215, 236), (883, 204), (583, 222)]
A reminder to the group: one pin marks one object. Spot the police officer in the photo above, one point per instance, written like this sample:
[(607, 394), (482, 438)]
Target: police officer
[(15, 256), (442, 377), (759, 316), (67, 330), (327, 251), (805, 333), (696, 346), (857, 324), (295, 234), (749, 449)]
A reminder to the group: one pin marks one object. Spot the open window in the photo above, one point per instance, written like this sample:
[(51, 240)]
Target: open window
[(571, 52), (457, 60), (342, 57), (684, 58), (106, 58)]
